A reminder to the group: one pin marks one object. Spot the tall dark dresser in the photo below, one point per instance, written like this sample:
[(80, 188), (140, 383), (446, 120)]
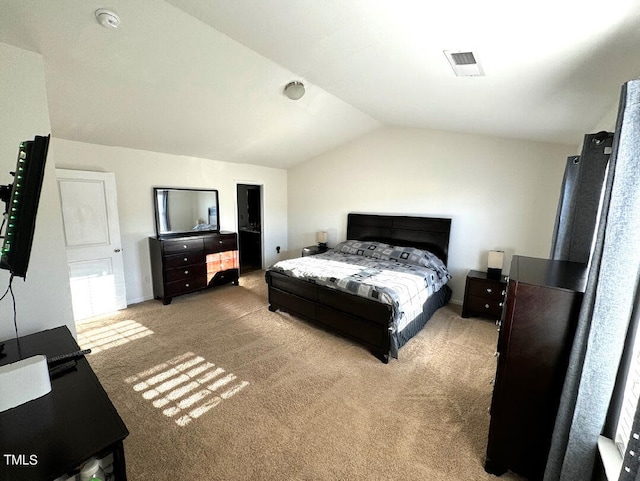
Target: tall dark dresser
[(534, 342)]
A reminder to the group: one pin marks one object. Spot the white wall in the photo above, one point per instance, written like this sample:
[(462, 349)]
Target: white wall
[(43, 300), (500, 193), (608, 121), (138, 171)]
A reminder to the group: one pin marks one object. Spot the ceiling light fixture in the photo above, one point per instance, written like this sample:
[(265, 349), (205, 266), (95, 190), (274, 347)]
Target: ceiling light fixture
[(294, 90), (107, 18)]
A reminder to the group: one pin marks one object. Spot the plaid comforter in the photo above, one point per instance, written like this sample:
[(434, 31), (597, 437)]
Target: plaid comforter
[(404, 286)]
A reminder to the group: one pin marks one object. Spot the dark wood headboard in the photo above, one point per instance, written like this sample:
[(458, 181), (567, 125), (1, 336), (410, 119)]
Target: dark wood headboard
[(429, 233)]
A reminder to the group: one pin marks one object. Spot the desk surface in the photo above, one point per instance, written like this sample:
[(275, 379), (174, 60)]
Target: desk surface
[(62, 429)]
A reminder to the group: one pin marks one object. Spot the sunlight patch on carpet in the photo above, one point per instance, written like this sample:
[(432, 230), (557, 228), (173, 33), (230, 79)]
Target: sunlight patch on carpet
[(186, 386), (103, 338)]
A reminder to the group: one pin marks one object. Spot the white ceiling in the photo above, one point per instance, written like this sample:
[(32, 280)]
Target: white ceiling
[(204, 78)]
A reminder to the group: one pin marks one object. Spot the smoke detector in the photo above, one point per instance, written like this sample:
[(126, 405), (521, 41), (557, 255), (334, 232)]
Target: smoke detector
[(107, 18), (464, 63)]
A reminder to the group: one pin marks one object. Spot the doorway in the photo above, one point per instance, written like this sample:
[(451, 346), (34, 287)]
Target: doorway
[(249, 199), (92, 240)]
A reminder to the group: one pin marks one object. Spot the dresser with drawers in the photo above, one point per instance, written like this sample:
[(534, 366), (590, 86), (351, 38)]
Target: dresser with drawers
[(181, 265), (534, 342)]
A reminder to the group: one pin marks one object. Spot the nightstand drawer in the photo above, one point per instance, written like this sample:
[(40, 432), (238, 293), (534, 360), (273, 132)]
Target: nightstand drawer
[(489, 289), (484, 306)]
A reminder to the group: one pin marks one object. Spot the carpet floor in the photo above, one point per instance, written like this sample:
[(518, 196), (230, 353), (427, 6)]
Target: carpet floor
[(214, 386)]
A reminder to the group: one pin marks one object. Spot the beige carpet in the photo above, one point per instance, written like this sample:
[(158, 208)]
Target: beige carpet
[(216, 387)]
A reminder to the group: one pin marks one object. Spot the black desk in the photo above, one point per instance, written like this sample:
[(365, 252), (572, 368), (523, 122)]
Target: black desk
[(63, 429)]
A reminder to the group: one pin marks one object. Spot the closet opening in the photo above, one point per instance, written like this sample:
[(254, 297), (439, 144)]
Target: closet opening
[(249, 200)]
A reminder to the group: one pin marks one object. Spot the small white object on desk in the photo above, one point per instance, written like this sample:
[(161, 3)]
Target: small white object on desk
[(23, 381)]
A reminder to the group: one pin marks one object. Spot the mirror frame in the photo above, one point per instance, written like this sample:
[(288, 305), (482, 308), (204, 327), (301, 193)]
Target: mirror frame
[(156, 206)]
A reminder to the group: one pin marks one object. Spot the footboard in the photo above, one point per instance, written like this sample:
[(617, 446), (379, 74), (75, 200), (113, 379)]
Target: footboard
[(362, 320)]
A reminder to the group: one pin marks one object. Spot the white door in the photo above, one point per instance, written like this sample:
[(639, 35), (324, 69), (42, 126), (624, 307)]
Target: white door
[(92, 237)]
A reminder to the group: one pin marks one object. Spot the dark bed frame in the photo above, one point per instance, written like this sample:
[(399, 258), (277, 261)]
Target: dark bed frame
[(363, 320)]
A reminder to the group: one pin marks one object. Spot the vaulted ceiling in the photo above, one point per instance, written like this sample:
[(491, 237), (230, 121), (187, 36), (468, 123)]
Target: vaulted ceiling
[(204, 78)]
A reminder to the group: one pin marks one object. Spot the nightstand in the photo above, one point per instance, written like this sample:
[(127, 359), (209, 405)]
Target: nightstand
[(483, 297), (313, 250)]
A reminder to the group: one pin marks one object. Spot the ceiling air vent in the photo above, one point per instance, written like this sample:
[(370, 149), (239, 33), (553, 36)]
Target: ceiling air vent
[(464, 64)]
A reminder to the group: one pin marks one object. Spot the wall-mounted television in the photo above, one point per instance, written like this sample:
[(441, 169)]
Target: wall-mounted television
[(182, 212), (21, 200)]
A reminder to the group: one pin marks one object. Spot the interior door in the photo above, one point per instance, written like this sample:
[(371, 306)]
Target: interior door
[(92, 236)]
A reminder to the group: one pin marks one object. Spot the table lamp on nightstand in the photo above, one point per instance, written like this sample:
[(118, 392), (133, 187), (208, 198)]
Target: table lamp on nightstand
[(321, 239), (494, 264)]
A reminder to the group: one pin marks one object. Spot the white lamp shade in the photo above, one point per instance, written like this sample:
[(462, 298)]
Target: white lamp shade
[(321, 237), (496, 259)]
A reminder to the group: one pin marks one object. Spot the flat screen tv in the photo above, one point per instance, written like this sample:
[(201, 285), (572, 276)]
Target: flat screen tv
[(21, 200), (182, 212)]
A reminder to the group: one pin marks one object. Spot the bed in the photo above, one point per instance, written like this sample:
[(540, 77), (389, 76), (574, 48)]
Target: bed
[(376, 320)]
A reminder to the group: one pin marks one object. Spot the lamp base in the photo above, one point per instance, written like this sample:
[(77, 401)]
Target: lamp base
[(494, 273)]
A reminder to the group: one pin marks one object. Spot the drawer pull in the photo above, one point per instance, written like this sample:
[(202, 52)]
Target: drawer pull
[(486, 306), (500, 305), (186, 285), (503, 292), (186, 260), (186, 272), (489, 291), (184, 246)]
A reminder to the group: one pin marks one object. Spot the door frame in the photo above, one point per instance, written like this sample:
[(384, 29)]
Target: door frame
[(236, 210)]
